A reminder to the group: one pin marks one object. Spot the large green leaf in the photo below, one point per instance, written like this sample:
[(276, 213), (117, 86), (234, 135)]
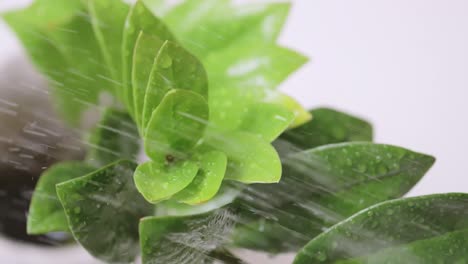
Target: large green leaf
[(108, 19), (45, 212), (146, 50), (114, 137), (139, 19), (159, 181), (250, 158), (330, 183), (174, 68), (103, 209), (208, 181), (185, 239), (409, 230), (176, 125), (327, 127)]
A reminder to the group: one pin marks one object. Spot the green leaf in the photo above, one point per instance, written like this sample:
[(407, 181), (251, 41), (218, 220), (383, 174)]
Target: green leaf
[(417, 228), (205, 28), (108, 19), (301, 116), (63, 55), (250, 158), (114, 137), (327, 127), (158, 181), (185, 239), (103, 209), (208, 180), (146, 50), (174, 68), (332, 183), (45, 212), (241, 76), (139, 19), (267, 120), (176, 125)]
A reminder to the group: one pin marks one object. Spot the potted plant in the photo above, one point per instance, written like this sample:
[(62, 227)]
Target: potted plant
[(229, 161)]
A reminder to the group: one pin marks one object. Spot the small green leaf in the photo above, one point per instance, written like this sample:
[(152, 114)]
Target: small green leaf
[(103, 209), (185, 239), (139, 19), (332, 183), (328, 127), (146, 49), (45, 212), (158, 181), (411, 226), (250, 158), (176, 125), (115, 137), (267, 120), (174, 68), (108, 19), (208, 180)]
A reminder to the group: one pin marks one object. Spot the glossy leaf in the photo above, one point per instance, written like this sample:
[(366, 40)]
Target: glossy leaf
[(45, 212), (267, 120), (250, 159), (114, 137), (103, 209), (328, 127), (208, 180), (331, 183), (146, 50), (184, 239), (139, 19), (174, 68), (158, 181), (108, 19), (411, 226), (176, 125)]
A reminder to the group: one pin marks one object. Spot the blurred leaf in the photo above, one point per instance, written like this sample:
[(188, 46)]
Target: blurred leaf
[(327, 127), (115, 137), (205, 28), (267, 120), (60, 41), (139, 19), (174, 68), (176, 125), (146, 50), (250, 158), (45, 212), (208, 180), (301, 116), (323, 186), (185, 239), (159, 181), (411, 230), (103, 209), (108, 19)]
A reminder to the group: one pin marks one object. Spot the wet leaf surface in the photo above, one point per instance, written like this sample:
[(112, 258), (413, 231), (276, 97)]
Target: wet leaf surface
[(409, 230), (103, 209)]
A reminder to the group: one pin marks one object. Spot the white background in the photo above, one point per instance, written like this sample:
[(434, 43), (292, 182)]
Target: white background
[(402, 64)]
